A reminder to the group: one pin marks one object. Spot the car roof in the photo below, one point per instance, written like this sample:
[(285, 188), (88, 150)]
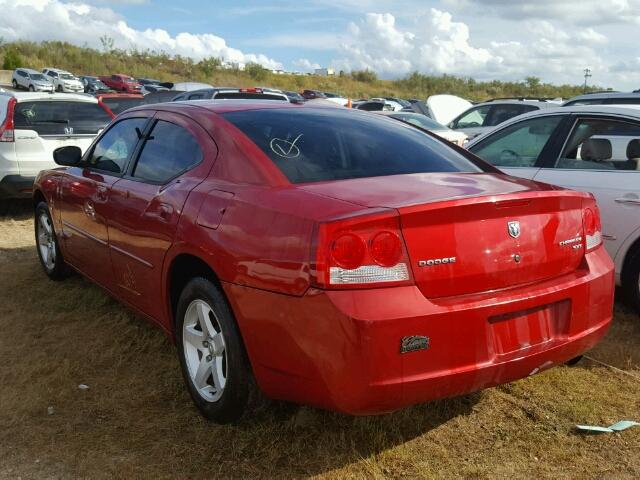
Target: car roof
[(57, 70), (28, 70), (601, 95), (515, 101), (120, 95), (621, 110), (55, 97), (225, 106)]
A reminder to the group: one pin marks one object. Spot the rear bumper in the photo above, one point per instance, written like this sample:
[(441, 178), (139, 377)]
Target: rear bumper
[(341, 350), (16, 186)]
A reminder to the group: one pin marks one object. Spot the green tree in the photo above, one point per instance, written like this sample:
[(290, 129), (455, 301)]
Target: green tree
[(366, 76), (209, 65), (533, 84), (256, 71), (12, 60)]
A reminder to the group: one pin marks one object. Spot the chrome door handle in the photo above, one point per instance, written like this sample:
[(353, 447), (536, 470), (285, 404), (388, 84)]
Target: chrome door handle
[(90, 210), (628, 201)]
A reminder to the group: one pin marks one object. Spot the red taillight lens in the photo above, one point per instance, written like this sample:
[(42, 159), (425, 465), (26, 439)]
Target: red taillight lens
[(348, 251), (361, 252), (592, 227), (7, 133), (386, 249)]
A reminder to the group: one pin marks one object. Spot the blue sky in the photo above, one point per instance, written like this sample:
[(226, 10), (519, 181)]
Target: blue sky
[(483, 39)]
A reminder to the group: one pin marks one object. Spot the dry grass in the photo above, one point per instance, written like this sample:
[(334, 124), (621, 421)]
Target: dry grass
[(136, 420)]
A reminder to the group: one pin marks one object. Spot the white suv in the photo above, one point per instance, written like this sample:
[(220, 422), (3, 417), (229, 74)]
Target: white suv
[(30, 80), (63, 81), (33, 125)]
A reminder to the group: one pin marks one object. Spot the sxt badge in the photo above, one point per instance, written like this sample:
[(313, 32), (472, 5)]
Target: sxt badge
[(413, 343)]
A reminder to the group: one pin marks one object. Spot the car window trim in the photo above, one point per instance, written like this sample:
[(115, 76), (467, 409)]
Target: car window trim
[(133, 162), (590, 116), (85, 164)]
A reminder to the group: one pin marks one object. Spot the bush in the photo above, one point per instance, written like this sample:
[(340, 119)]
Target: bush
[(366, 76), (12, 60), (256, 71)]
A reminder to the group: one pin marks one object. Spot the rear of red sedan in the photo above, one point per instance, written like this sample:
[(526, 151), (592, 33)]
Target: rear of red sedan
[(435, 282)]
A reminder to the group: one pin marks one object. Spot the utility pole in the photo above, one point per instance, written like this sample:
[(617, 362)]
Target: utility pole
[(587, 74)]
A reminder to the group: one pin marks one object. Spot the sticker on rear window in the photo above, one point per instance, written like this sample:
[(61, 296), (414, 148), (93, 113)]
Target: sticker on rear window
[(285, 148)]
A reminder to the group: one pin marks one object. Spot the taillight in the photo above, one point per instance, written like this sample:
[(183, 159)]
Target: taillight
[(592, 227), (7, 133), (360, 252)]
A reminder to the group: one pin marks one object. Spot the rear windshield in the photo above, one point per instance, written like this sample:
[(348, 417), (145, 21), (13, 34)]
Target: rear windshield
[(58, 118), (119, 105), (332, 144), (249, 96)]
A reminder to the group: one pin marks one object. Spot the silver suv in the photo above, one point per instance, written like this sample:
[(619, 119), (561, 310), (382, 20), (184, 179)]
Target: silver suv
[(31, 80), (485, 116), (63, 81)]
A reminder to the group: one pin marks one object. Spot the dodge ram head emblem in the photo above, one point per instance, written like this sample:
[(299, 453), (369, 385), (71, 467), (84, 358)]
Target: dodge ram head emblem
[(514, 229)]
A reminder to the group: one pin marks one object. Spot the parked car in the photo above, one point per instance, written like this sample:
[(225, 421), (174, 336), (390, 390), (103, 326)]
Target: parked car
[(31, 80), (150, 85), (63, 81), (340, 259), (337, 99), (312, 94), (94, 85), (373, 106), (226, 93), (429, 124), (190, 86), (294, 96), (121, 83), (444, 108), (590, 148), (33, 125), (485, 116), (161, 96), (116, 103), (604, 98)]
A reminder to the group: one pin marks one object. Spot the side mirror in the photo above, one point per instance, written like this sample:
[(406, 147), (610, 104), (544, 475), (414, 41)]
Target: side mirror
[(67, 156)]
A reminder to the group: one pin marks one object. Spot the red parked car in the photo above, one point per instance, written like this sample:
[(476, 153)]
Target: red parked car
[(326, 256), (116, 103), (121, 83)]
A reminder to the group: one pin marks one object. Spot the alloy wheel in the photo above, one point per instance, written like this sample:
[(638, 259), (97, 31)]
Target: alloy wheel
[(46, 241), (204, 350)]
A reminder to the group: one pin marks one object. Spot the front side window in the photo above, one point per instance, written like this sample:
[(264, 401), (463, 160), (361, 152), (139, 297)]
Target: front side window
[(602, 144), (113, 150), (333, 144), (473, 118), (169, 151), (518, 145)]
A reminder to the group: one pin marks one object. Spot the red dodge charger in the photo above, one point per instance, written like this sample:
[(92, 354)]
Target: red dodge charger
[(325, 256)]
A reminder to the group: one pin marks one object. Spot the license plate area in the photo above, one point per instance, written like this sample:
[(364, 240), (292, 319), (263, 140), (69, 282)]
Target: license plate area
[(524, 329)]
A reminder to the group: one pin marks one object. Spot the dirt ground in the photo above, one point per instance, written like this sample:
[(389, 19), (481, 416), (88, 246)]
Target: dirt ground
[(136, 420)]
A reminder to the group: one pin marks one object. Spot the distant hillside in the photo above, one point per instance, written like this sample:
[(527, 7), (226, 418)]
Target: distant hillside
[(363, 84)]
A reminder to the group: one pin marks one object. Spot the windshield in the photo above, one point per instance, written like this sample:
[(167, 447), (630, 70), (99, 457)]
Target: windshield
[(119, 104), (315, 145), (421, 121), (67, 76), (37, 76), (58, 118)]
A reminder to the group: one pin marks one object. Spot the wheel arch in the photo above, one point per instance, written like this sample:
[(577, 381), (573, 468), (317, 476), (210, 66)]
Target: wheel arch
[(632, 252), (38, 197)]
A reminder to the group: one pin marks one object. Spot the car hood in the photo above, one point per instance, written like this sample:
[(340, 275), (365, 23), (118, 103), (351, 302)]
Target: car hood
[(445, 108), (419, 188)]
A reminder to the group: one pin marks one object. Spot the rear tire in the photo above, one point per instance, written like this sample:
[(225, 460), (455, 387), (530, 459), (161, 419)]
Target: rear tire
[(631, 281), (59, 88), (31, 89), (212, 356), (15, 84), (47, 245)]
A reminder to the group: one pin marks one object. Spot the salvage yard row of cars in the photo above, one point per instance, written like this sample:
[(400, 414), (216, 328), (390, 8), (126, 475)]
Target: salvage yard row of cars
[(336, 257)]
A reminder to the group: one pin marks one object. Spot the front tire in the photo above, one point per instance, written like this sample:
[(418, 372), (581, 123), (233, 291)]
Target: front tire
[(15, 84), (212, 357), (47, 245), (631, 281), (31, 89)]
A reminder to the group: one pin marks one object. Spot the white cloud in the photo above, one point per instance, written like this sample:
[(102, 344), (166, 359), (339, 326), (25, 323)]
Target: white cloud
[(305, 64), (81, 22)]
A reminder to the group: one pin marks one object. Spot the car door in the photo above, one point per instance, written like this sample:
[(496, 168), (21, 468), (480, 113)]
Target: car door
[(84, 205), (176, 155), (601, 156), (520, 148)]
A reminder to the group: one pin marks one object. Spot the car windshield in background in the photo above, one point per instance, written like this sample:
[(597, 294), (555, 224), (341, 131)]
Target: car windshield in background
[(330, 144), (421, 121), (118, 105), (66, 76), (61, 118), (37, 76)]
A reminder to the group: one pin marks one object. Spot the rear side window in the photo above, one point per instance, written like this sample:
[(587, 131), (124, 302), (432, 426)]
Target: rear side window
[(472, 118), (331, 144), (169, 151), (61, 118), (118, 105), (114, 149)]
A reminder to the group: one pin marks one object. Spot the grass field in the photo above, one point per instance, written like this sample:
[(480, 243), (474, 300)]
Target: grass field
[(136, 420)]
